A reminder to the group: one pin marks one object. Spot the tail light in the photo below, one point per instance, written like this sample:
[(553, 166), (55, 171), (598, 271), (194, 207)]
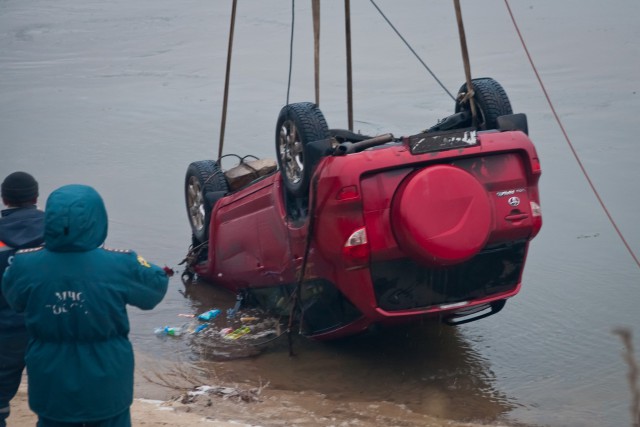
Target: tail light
[(534, 197), (535, 166), (536, 211), (356, 249)]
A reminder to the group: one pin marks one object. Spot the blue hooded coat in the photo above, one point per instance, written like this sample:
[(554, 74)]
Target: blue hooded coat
[(19, 228), (74, 293)]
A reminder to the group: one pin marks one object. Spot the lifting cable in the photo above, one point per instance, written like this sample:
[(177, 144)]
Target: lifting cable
[(470, 96), (296, 297), (347, 32), (293, 21), (566, 137), (316, 47), (315, 6), (412, 51), (226, 79)]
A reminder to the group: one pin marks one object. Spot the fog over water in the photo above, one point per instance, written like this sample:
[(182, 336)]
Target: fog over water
[(123, 95)]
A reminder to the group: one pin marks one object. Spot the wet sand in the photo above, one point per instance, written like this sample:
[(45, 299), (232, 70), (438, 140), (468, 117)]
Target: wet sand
[(143, 413), (272, 408)]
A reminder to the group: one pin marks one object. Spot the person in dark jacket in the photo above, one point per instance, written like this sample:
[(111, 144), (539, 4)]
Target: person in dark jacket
[(73, 293), (21, 226)]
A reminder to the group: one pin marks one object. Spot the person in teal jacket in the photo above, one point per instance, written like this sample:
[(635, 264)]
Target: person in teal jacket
[(73, 293)]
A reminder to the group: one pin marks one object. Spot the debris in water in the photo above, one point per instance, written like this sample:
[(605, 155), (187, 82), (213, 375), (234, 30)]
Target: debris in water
[(238, 333)]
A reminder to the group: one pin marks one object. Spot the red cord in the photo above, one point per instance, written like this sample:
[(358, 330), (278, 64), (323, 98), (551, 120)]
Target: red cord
[(566, 137)]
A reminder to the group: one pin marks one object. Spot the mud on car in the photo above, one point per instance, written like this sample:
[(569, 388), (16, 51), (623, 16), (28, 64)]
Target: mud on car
[(357, 230)]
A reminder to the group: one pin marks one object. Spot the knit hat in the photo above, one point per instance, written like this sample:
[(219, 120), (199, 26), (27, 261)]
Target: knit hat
[(19, 187)]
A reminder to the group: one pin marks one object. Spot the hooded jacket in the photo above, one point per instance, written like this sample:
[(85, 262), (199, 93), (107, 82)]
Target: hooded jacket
[(74, 293), (19, 228)]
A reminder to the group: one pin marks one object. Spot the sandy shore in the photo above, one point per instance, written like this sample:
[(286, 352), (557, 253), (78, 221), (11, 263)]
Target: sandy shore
[(166, 396), (272, 409), (143, 413)]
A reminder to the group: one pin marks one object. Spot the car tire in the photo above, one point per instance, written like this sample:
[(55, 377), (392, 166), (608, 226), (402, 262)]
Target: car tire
[(448, 195), (298, 124), (203, 179), (490, 99)]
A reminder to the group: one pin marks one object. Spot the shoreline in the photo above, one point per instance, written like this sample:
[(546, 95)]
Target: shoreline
[(144, 412), (274, 408), (167, 394)]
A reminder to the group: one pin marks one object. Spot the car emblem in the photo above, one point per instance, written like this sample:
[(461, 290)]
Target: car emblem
[(514, 201)]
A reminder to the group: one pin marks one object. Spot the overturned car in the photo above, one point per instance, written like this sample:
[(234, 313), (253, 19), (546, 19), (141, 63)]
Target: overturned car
[(345, 231)]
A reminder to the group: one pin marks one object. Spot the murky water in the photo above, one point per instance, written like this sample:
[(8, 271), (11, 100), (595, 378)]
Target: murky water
[(123, 95)]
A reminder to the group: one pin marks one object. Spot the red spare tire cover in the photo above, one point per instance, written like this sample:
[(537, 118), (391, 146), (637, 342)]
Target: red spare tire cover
[(441, 215)]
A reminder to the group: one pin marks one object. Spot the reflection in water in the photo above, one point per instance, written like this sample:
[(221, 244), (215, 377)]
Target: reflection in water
[(429, 368)]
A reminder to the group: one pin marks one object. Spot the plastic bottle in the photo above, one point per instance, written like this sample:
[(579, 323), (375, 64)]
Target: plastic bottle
[(169, 330), (231, 312), (208, 315), (174, 331), (199, 328)]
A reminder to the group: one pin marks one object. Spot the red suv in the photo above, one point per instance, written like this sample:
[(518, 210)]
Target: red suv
[(357, 230)]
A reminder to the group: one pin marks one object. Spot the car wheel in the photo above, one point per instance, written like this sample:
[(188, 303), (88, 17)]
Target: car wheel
[(491, 102), (298, 125), (203, 178)]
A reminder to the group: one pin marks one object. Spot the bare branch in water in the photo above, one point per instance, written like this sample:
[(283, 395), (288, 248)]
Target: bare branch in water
[(626, 336), (180, 377)]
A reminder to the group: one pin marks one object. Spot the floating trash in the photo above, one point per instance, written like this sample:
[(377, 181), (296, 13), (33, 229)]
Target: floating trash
[(200, 327), (169, 330), (208, 315), (238, 333), (231, 312)]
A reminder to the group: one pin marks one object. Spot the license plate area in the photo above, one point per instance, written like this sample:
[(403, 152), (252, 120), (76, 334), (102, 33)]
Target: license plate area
[(429, 142)]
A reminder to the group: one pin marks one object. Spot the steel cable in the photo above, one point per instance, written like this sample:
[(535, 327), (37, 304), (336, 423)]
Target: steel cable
[(293, 21), (412, 51)]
